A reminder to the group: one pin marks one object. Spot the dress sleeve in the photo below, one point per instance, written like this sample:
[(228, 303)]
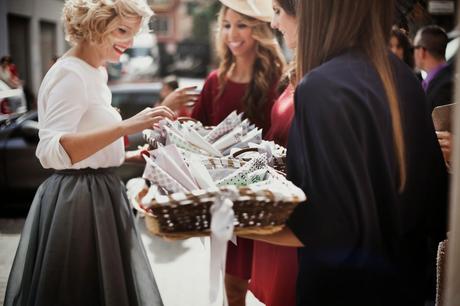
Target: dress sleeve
[(203, 107), (327, 159), (65, 104)]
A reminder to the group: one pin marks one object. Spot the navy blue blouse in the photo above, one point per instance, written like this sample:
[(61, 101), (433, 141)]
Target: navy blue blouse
[(365, 243)]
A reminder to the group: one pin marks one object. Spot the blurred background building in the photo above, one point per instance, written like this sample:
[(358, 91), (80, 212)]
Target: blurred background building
[(184, 33), (31, 32)]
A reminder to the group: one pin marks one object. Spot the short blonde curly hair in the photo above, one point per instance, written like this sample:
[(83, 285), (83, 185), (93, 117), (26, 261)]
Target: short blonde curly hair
[(93, 20)]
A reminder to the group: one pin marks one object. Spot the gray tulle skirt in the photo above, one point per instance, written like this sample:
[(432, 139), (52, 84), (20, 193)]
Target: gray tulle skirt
[(79, 246)]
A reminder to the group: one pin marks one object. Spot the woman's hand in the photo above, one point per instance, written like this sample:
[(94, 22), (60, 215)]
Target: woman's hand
[(81, 145), (136, 155), (146, 119), (180, 97), (445, 141)]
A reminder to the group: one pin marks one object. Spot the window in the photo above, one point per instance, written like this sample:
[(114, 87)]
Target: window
[(47, 44), (161, 25)]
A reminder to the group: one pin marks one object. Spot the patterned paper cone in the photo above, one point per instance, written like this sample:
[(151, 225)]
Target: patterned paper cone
[(224, 127), (161, 178), (179, 141), (241, 176)]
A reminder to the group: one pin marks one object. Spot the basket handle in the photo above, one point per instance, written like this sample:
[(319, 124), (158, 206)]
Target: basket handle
[(242, 151), (245, 191), (269, 194), (249, 192)]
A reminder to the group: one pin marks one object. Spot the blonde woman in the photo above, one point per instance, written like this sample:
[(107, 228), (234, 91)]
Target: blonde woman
[(250, 67), (79, 245)]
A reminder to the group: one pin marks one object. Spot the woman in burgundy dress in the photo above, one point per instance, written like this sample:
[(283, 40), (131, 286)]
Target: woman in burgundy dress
[(251, 65), (274, 268)]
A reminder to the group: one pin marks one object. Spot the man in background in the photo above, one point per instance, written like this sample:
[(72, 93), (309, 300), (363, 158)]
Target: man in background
[(429, 53)]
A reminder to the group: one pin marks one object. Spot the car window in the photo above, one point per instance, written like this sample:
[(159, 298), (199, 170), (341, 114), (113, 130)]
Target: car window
[(131, 103), (11, 100), (135, 52)]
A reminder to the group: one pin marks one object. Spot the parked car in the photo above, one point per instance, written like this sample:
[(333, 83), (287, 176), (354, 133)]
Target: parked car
[(131, 98), (11, 100)]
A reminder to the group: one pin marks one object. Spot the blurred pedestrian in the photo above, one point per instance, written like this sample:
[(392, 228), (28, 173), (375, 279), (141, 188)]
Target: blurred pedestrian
[(79, 245), (251, 64), (9, 73), (274, 268), (429, 52), (169, 84), (401, 46), (373, 200)]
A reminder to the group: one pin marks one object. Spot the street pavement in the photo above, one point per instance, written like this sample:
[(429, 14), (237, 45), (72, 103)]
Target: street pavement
[(10, 230), (190, 263)]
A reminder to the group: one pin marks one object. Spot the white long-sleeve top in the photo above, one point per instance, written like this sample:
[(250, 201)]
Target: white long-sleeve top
[(74, 97)]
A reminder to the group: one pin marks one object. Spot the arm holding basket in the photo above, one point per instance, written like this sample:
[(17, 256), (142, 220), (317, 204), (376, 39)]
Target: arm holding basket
[(285, 237)]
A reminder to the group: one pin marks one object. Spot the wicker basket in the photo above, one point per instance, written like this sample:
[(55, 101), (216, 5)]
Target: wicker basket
[(190, 216)]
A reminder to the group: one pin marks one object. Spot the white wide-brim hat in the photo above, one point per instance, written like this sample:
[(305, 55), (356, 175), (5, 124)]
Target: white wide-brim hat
[(259, 9)]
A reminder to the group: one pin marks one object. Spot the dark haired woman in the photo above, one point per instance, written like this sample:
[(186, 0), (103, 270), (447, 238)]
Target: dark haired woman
[(401, 46), (274, 267), (365, 154)]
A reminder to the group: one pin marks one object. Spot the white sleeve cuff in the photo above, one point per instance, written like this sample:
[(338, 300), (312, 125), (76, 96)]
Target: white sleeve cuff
[(50, 152)]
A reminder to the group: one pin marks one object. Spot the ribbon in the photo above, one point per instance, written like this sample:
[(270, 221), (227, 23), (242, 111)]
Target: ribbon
[(222, 217)]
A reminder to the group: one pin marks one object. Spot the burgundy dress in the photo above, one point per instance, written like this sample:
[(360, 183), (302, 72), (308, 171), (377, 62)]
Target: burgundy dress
[(274, 268), (210, 111)]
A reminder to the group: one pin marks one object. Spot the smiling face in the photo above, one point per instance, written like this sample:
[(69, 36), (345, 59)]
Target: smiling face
[(120, 39), (286, 24), (237, 34)]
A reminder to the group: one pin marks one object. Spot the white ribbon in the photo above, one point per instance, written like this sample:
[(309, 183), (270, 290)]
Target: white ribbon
[(253, 5), (222, 217)]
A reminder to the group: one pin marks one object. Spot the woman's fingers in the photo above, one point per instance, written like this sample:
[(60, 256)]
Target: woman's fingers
[(184, 89), (155, 121), (180, 97), (188, 93), (443, 135), (163, 111)]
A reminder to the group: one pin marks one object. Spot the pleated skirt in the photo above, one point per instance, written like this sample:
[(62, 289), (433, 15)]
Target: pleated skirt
[(80, 246)]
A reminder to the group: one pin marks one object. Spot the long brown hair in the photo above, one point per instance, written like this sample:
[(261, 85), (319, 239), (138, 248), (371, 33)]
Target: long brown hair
[(405, 43), (267, 68), (289, 77), (289, 6), (332, 26)]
